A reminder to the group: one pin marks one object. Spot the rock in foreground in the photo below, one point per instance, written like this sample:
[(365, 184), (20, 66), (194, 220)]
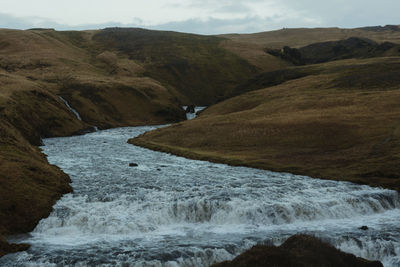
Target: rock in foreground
[(6, 248), (299, 251)]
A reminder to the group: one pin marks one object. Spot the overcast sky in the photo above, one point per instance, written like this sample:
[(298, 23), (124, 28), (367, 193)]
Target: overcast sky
[(197, 16)]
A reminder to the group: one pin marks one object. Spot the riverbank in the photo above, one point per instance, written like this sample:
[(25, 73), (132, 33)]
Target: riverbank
[(29, 186), (30, 111), (340, 122)]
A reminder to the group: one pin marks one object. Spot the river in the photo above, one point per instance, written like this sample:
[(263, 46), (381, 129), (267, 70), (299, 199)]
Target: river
[(172, 211)]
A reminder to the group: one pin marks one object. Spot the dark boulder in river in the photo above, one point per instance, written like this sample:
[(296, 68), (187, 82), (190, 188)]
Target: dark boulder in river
[(6, 248), (190, 109), (298, 251), (133, 164), (364, 228)]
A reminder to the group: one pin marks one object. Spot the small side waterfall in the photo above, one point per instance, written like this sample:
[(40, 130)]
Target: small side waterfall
[(94, 128), (70, 108), (191, 115)]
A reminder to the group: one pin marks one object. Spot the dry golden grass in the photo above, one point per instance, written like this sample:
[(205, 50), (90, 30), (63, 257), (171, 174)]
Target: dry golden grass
[(309, 126)]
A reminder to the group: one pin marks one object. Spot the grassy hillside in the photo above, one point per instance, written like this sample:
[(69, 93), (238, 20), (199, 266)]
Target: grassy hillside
[(197, 66), (340, 121)]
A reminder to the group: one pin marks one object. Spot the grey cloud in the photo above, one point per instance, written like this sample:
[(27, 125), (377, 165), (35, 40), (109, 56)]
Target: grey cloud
[(233, 9), (221, 26), (13, 22), (209, 26), (216, 5), (301, 13), (344, 13), (9, 21)]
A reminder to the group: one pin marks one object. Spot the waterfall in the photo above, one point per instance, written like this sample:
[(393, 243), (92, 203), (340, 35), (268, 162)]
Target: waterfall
[(70, 108), (94, 128), (192, 115)]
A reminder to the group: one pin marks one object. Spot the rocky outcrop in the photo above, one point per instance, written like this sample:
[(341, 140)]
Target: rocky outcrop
[(353, 47), (298, 251), (190, 109), (395, 28)]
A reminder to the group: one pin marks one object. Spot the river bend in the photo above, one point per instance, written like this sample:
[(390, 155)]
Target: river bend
[(172, 211)]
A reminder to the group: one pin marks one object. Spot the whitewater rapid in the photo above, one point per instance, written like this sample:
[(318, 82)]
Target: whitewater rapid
[(172, 211)]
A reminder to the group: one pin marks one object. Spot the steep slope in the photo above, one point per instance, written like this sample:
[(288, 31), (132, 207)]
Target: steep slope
[(197, 66), (340, 123)]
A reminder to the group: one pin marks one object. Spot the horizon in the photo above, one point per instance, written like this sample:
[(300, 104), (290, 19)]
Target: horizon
[(228, 33), (198, 17)]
